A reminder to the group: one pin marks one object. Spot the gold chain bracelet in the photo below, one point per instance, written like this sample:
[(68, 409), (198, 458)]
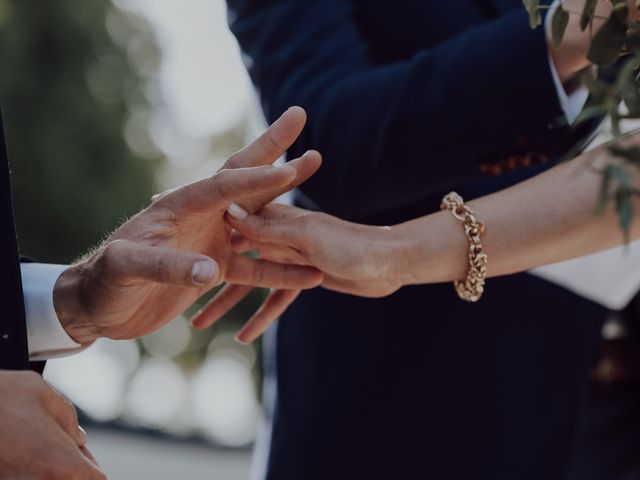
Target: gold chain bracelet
[(472, 288)]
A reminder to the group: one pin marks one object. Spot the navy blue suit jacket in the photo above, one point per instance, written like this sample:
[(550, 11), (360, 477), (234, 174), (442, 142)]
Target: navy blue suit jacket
[(407, 100), (13, 335)]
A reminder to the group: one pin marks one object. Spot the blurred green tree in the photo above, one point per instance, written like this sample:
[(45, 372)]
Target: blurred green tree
[(69, 89), (64, 85)]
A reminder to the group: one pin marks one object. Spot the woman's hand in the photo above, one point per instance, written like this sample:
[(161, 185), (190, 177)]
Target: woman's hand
[(355, 258)]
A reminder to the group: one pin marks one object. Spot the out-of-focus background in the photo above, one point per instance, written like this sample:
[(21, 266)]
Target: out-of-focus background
[(105, 103)]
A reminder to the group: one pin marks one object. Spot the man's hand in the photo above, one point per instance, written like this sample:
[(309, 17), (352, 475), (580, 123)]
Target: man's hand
[(40, 438), (162, 260)]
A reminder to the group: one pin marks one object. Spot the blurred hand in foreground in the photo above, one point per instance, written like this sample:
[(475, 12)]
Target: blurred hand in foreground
[(40, 437), (162, 260)]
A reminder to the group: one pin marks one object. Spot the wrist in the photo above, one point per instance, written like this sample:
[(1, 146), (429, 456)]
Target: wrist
[(431, 249), (69, 307)]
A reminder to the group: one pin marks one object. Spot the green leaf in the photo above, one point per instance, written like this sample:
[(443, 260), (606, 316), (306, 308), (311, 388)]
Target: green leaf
[(630, 154), (559, 24), (533, 7), (605, 186), (597, 88), (624, 192), (590, 112), (630, 92), (608, 42), (587, 13), (625, 210)]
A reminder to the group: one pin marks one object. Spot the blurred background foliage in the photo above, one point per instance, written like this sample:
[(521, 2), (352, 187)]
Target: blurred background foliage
[(105, 103), (64, 89)]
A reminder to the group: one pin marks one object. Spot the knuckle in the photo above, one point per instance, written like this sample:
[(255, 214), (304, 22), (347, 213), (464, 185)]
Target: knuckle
[(275, 141), (223, 185), (59, 403), (259, 273), (70, 412), (164, 265), (263, 226), (305, 225), (286, 278)]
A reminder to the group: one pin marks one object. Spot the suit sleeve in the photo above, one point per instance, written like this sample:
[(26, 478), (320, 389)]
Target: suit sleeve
[(392, 133)]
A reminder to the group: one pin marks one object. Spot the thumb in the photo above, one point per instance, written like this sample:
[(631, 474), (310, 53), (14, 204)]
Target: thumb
[(125, 260)]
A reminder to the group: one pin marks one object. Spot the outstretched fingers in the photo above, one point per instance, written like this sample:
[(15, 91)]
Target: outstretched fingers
[(278, 224), (268, 251), (272, 308), (227, 186), (219, 305), (261, 273), (273, 143), (306, 166)]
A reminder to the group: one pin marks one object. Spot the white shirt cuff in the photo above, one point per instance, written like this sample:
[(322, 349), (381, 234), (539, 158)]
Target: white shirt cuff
[(572, 103), (45, 335)]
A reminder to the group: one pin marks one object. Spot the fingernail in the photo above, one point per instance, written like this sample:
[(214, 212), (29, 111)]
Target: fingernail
[(239, 340), (203, 271), (237, 212), (82, 436)]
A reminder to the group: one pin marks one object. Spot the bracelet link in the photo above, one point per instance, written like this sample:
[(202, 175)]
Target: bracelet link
[(472, 288)]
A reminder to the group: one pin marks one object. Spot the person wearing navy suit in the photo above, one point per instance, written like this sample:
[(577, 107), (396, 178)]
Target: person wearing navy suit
[(129, 287), (408, 100), (35, 418), (13, 334)]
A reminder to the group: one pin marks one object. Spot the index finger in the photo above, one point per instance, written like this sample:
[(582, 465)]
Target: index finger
[(227, 186), (273, 143)]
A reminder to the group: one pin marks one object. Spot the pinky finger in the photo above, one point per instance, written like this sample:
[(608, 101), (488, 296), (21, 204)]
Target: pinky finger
[(224, 301), (271, 309)]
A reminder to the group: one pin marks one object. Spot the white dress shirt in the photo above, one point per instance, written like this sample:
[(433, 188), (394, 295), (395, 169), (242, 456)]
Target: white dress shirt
[(45, 335), (47, 338)]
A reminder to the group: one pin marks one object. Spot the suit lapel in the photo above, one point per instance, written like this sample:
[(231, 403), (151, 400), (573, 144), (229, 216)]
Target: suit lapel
[(13, 334)]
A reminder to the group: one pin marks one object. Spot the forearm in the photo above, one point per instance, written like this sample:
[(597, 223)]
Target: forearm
[(546, 219)]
